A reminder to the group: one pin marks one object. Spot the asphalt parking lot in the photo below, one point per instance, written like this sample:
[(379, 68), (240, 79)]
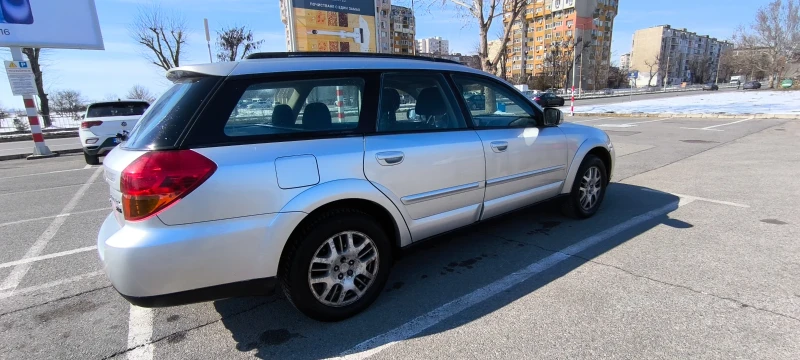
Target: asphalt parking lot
[(694, 254)]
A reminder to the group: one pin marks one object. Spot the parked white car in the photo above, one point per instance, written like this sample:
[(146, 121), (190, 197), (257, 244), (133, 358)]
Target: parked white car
[(103, 121)]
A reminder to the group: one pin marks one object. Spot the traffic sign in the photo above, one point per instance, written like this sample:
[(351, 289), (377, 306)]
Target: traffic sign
[(633, 75), (21, 78)]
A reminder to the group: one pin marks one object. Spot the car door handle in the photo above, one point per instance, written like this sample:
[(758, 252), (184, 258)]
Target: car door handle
[(499, 146), (390, 158)]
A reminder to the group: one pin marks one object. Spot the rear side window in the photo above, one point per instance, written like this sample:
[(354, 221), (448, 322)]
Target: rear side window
[(289, 107), (164, 121), (117, 108)]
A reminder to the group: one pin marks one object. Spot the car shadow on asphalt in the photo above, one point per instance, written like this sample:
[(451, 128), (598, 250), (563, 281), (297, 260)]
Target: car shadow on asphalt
[(435, 273)]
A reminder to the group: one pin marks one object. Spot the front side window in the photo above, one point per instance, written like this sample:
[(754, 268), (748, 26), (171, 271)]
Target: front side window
[(492, 105), (417, 102), (279, 108)]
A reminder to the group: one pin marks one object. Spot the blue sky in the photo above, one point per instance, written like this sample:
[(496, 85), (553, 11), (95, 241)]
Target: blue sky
[(97, 74)]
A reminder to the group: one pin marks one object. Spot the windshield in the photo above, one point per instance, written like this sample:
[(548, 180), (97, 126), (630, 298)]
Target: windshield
[(118, 108)]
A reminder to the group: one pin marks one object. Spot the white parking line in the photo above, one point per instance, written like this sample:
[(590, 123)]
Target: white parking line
[(19, 271), (44, 173), (690, 197), (49, 256), (140, 330), (39, 190), (713, 128), (53, 216), (31, 147), (417, 325), (583, 121), (28, 290), (633, 124)]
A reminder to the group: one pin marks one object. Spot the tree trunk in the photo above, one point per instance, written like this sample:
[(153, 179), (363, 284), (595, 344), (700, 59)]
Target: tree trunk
[(44, 102), (483, 50)]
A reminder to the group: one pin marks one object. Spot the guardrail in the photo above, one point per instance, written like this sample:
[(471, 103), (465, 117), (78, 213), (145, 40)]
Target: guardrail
[(637, 91)]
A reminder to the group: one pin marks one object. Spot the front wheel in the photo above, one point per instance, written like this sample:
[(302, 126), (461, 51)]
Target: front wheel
[(588, 190), (91, 159), (337, 265)]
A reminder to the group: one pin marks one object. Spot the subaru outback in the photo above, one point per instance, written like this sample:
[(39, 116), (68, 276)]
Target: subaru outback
[(211, 198)]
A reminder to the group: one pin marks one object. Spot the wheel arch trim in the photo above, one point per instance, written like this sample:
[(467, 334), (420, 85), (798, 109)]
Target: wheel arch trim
[(348, 189), (584, 149)]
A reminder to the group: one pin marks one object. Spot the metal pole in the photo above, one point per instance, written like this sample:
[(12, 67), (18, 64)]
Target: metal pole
[(719, 62), (666, 74), (208, 40), (580, 77), (340, 104), (39, 147), (572, 97), (414, 45)]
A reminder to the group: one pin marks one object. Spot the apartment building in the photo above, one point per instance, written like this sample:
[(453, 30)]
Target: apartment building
[(403, 30), (665, 55), (383, 9), (547, 29), (625, 62), (435, 45)]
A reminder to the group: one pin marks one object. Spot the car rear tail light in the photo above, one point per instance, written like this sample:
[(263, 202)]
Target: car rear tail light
[(158, 179), (536, 99), (88, 124)]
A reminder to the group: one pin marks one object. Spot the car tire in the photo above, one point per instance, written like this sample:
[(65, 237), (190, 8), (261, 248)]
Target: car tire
[(325, 237), (91, 159), (593, 169)]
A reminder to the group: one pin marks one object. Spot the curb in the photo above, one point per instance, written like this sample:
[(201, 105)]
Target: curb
[(28, 137), (25, 156), (696, 116)]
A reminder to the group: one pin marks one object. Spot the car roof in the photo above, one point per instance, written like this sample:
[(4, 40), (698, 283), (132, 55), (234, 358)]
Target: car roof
[(119, 101), (319, 62)]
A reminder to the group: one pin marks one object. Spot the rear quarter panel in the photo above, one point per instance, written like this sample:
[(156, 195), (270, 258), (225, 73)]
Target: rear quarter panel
[(246, 180)]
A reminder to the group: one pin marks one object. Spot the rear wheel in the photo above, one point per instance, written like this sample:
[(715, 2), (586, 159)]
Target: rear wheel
[(588, 190), (337, 265), (91, 159)]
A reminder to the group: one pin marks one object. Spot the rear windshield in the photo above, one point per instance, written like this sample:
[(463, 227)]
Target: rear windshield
[(164, 122), (117, 108)]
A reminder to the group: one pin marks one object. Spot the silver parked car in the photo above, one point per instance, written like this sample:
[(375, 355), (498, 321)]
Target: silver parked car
[(211, 200)]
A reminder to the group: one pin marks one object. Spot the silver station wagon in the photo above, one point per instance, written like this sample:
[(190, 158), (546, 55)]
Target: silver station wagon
[(310, 172)]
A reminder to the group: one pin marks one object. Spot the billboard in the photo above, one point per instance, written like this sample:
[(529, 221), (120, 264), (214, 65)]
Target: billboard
[(333, 25), (58, 24)]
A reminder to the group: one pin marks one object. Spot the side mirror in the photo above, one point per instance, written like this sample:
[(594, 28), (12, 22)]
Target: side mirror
[(411, 114), (553, 117)]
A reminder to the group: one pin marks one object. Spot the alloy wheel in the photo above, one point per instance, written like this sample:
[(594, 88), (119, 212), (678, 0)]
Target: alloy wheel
[(590, 188), (343, 268)]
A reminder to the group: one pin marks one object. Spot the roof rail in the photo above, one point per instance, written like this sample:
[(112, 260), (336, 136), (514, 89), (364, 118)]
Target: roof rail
[(284, 55)]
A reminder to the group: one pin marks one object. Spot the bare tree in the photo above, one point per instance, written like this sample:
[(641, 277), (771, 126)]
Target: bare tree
[(34, 57), (653, 67), (231, 40), (774, 37), (559, 59), (139, 92), (484, 13), (726, 65), (163, 35), (68, 103), (617, 77), (700, 68)]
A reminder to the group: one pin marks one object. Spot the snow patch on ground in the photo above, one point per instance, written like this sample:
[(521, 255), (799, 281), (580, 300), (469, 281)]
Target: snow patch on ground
[(741, 102)]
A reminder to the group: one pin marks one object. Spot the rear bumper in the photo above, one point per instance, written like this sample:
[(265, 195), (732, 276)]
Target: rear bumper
[(152, 264), (256, 287), (104, 148)]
